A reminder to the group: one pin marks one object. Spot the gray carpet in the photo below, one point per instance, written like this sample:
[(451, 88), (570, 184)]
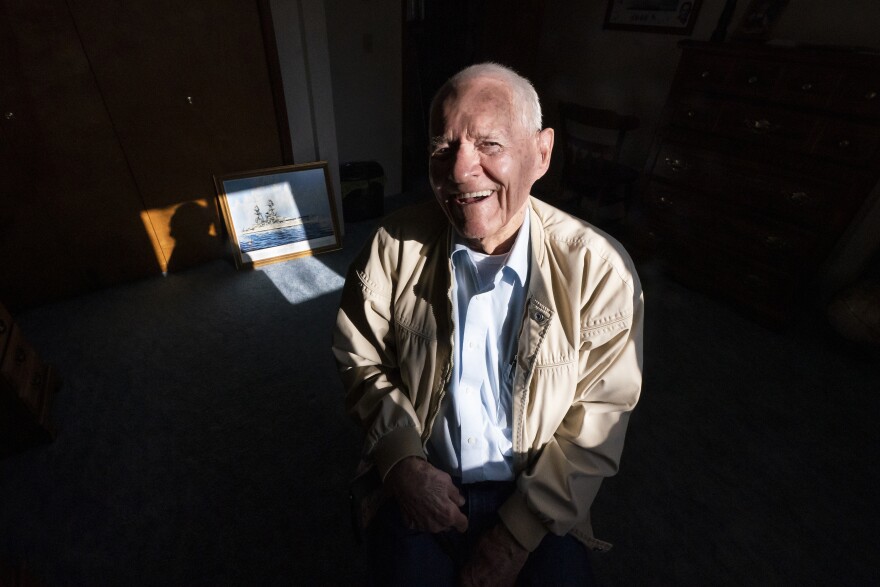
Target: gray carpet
[(202, 441)]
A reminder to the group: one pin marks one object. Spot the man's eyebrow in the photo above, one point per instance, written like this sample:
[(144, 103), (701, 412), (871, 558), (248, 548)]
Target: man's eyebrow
[(492, 135), (487, 136)]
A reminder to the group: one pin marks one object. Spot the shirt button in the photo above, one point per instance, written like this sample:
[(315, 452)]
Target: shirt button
[(471, 440)]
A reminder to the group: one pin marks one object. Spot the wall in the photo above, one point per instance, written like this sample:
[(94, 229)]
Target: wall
[(301, 37), (844, 22), (365, 63)]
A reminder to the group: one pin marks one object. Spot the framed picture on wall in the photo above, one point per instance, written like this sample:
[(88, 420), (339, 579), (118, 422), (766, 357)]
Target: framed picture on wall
[(655, 16), (279, 213), (758, 20)]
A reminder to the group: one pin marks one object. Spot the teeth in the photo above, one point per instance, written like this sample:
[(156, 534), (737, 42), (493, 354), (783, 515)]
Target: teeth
[(466, 196)]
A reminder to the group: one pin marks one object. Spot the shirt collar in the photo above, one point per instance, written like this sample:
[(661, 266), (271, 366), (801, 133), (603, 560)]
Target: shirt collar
[(518, 260)]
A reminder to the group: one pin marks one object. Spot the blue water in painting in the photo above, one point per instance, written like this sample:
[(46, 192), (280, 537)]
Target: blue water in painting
[(283, 236)]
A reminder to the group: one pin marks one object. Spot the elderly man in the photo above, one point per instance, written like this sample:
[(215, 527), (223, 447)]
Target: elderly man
[(491, 349)]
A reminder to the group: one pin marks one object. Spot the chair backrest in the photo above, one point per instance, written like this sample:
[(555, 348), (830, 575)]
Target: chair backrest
[(581, 131), (591, 141)]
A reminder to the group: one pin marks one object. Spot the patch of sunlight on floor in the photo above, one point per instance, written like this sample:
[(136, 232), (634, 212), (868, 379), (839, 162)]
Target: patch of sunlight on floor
[(304, 278)]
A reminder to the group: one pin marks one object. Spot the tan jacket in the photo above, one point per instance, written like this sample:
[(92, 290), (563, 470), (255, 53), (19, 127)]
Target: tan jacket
[(579, 360)]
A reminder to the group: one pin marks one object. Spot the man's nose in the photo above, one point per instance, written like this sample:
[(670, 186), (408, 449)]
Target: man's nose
[(466, 165)]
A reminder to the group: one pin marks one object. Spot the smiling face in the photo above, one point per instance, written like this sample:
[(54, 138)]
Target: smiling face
[(484, 162)]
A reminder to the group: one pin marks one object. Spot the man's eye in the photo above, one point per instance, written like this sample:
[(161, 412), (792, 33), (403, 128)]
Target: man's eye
[(440, 151)]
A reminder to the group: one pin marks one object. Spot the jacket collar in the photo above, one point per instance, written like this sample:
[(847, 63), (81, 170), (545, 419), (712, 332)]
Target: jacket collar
[(539, 279)]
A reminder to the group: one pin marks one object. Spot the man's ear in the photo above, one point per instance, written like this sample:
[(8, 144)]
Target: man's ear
[(545, 149)]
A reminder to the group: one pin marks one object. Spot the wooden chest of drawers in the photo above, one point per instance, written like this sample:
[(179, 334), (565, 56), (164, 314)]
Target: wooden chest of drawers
[(762, 159), (27, 386)]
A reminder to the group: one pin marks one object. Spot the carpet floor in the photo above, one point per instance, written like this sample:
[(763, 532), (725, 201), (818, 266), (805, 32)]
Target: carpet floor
[(202, 441)]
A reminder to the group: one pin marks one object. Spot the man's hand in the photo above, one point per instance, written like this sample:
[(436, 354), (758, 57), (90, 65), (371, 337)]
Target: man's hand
[(497, 560), (427, 497)]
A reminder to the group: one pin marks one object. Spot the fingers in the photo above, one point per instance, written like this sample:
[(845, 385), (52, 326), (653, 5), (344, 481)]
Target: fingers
[(455, 494), (460, 521), (427, 496), (497, 561)]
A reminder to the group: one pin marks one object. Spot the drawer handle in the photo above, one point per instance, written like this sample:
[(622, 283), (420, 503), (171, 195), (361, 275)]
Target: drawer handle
[(691, 113), (843, 143), (753, 80), (760, 126), (676, 165), (705, 74), (807, 87), (664, 201), (870, 95)]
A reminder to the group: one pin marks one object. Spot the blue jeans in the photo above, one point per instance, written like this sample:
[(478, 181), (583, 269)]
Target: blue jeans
[(400, 556)]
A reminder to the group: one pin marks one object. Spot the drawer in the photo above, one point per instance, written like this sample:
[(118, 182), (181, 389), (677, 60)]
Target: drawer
[(679, 164), (754, 78), (807, 85), (810, 202), (687, 214), (769, 126), (850, 143), (859, 93), (807, 202), (703, 72), (695, 113), (668, 209), (770, 242)]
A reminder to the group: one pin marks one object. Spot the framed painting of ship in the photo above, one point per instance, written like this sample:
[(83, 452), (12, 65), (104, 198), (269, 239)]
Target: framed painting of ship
[(279, 213)]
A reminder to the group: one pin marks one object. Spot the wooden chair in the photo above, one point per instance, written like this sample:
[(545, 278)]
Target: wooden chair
[(591, 141)]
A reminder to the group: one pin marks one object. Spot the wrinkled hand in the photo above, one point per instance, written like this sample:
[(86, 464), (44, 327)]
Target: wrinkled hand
[(497, 560), (427, 497)]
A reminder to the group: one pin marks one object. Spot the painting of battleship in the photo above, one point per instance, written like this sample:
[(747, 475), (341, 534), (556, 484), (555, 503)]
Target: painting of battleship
[(280, 213)]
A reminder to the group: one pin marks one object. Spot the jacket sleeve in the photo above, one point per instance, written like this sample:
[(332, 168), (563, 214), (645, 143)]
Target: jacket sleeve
[(555, 493), (366, 355)]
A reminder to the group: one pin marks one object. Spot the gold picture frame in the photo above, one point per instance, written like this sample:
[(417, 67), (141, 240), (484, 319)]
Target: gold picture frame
[(279, 213)]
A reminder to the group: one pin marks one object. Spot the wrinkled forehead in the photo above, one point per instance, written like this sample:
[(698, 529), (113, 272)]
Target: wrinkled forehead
[(477, 99)]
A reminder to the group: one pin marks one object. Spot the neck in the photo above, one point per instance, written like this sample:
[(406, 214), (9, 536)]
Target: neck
[(503, 242)]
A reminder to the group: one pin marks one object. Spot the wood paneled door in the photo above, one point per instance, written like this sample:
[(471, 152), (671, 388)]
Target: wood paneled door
[(115, 118)]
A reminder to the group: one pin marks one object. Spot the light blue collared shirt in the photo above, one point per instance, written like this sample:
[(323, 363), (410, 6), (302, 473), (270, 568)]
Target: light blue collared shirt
[(472, 436)]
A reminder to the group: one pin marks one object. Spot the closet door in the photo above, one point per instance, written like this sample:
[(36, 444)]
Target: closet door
[(71, 215), (114, 118), (188, 89)]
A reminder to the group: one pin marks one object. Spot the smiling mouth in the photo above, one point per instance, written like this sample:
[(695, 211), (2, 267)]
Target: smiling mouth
[(470, 197)]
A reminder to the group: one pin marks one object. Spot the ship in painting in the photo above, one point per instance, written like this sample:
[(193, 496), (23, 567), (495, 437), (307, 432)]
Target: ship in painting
[(271, 220)]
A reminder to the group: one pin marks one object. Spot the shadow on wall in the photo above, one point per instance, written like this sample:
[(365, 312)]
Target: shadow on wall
[(196, 236)]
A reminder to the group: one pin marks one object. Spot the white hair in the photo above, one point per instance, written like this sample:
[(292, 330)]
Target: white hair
[(525, 97)]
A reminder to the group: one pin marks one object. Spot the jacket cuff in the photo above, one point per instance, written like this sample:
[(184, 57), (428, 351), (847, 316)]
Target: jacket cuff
[(395, 446), (525, 526)]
